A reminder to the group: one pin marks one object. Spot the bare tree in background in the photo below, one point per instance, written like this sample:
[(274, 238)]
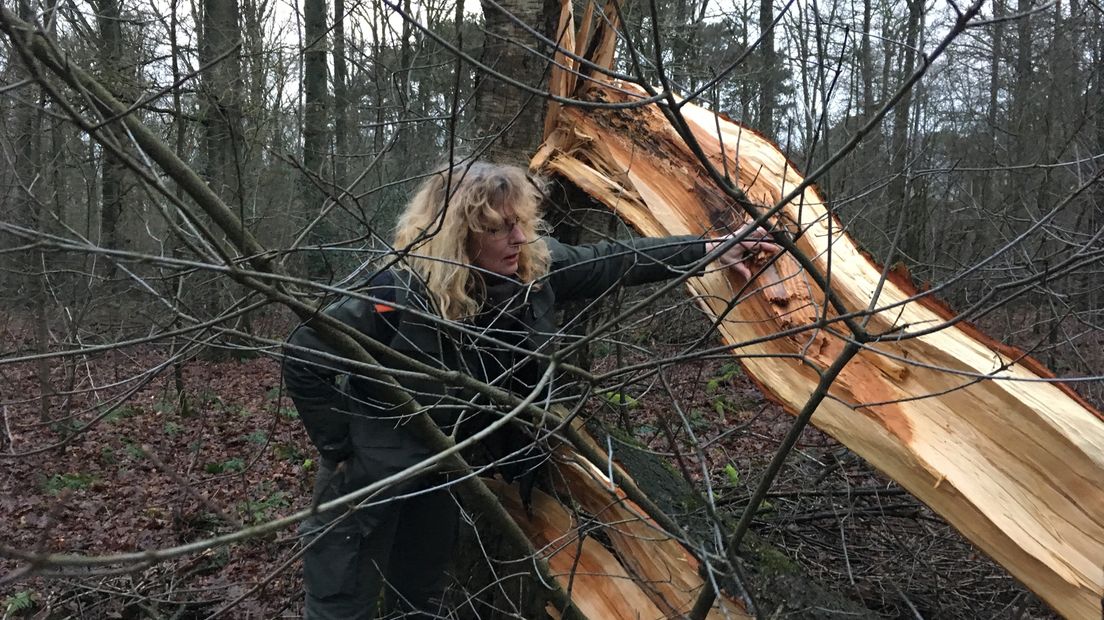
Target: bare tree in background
[(220, 53), (112, 170)]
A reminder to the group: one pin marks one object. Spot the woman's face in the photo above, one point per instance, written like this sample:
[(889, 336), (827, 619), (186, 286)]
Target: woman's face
[(497, 248)]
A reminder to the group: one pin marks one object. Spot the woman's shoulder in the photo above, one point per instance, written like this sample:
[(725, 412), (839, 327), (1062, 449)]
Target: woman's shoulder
[(390, 283), (556, 249)]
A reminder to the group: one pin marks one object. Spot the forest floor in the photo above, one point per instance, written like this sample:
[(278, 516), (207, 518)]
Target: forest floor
[(145, 476), (849, 527)]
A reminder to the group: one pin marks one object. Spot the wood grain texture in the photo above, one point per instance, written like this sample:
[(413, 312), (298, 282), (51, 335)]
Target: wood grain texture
[(598, 583), (967, 425), (658, 563), (647, 575)]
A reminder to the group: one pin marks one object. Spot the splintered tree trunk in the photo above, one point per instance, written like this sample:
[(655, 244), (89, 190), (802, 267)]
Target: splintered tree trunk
[(964, 423)]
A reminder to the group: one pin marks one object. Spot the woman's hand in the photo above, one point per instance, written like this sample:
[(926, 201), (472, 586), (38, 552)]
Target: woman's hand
[(755, 242)]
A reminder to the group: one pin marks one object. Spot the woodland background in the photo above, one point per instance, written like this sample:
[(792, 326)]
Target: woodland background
[(139, 385)]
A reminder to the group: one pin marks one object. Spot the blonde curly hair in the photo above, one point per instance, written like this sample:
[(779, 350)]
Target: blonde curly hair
[(454, 202)]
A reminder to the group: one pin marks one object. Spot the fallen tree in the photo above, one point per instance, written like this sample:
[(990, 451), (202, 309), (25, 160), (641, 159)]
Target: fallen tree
[(979, 431)]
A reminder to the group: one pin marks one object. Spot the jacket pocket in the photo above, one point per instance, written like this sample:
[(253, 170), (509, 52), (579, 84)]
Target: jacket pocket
[(380, 448), (330, 562)]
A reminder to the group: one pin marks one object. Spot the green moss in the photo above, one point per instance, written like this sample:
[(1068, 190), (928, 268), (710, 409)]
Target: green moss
[(774, 561), (617, 399), (661, 481), (73, 481)]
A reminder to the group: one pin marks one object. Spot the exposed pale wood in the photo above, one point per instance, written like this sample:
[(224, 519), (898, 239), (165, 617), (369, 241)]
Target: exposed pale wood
[(1015, 463), (649, 574), (562, 81), (659, 564), (604, 43), (594, 578), (582, 40)]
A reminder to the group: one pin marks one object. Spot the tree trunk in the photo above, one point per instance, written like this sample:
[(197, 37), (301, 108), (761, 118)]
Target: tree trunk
[(27, 207), (1021, 110), (176, 246), (314, 91), (1096, 297), (508, 115), (341, 97), (314, 130), (914, 220), (221, 114), (990, 183), (111, 169), (1098, 69), (768, 72), (221, 100), (866, 62)]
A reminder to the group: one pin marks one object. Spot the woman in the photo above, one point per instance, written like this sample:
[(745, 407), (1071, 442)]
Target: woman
[(473, 257)]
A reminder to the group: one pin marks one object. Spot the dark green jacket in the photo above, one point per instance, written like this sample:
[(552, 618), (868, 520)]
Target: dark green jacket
[(337, 407)]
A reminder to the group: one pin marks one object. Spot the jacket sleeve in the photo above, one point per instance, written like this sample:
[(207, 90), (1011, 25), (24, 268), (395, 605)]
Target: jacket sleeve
[(316, 384), (587, 271)]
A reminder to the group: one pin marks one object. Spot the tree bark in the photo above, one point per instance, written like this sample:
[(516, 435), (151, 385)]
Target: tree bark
[(111, 169), (507, 115), (176, 245), (220, 43), (909, 211), (314, 131), (27, 207), (768, 72), (341, 97), (866, 62), (1020, 110), (221, 114), (990, 185), (314, 91)]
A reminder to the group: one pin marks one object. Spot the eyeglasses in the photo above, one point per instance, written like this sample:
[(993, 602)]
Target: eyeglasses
[(504, 229)]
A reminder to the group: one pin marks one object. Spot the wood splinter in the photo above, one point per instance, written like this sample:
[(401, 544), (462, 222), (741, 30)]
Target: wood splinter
[(770, 281)]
